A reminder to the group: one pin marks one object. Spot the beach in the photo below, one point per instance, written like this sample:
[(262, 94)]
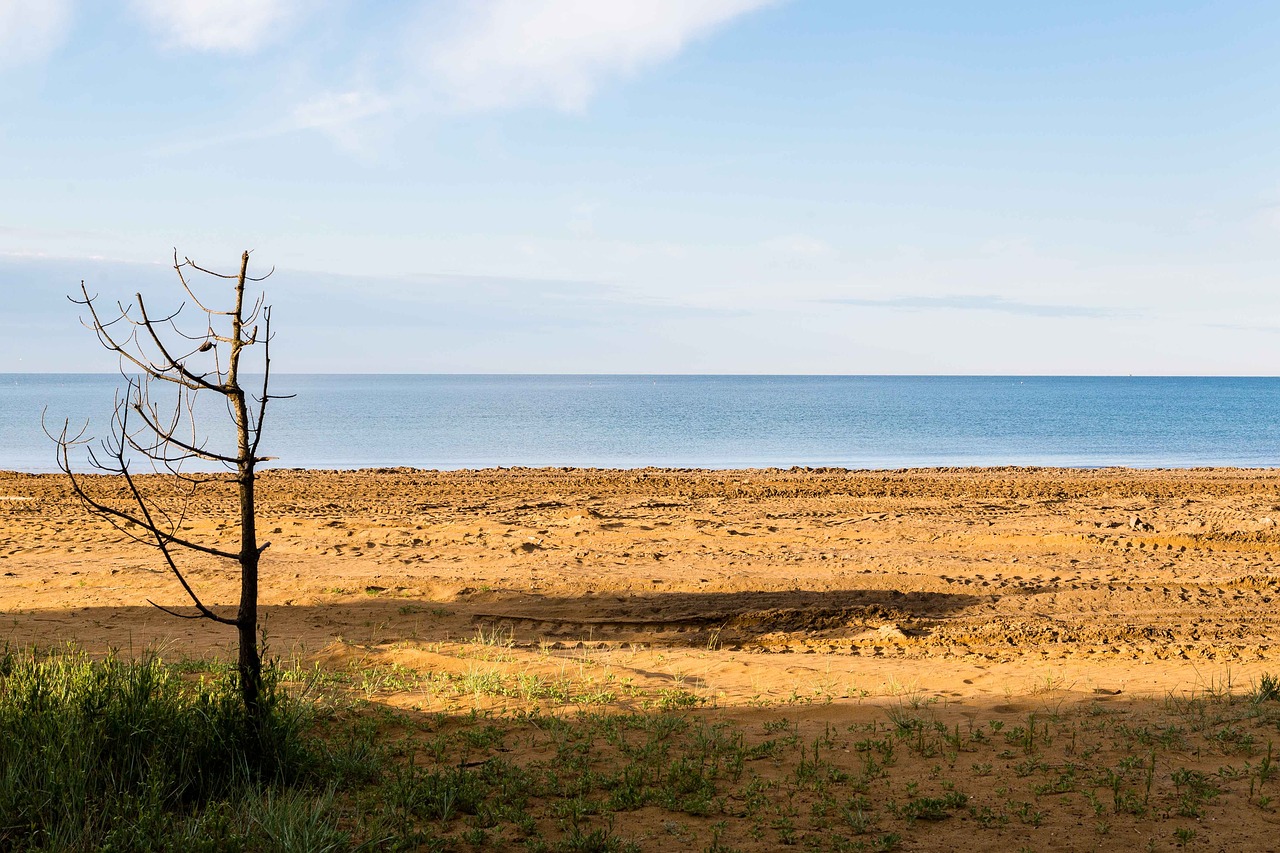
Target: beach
[(984, 659), (965, 583)]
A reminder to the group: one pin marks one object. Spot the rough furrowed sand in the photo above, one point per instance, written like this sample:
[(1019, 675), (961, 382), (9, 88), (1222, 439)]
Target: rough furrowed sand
[(975, 585)]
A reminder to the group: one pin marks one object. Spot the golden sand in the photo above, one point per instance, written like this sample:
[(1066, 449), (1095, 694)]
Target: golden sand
[(969, 584)]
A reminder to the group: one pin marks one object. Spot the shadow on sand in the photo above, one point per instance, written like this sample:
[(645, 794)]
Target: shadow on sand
[(653, 618)]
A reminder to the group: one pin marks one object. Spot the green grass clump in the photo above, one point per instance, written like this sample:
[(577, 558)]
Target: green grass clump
[(124, 755)]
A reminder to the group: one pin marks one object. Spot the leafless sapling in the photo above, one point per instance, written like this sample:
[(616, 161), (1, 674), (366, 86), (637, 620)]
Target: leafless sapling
[(158, 426)]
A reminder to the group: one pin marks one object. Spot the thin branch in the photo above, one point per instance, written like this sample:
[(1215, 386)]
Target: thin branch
[(187, 262), (173, 364), (168, 438), (187, 286), (109, 342), (168, 557), (109, 513), (184, 615), (266, 378)]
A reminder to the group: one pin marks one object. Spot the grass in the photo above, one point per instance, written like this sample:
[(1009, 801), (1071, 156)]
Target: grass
[(130, 756), (143, 755)]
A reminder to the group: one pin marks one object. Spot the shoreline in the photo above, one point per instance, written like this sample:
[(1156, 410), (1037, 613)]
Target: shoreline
[(1012, 468)]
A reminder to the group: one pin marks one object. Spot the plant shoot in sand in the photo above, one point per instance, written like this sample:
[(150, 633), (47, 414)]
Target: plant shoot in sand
[(157, 425)]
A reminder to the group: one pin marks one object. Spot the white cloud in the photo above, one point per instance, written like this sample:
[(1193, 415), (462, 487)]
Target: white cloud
[(30, 29), (510, 53), (217, 25), (463, 56)]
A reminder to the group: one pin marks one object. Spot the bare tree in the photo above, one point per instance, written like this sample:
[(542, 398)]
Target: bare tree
[(157, 425)]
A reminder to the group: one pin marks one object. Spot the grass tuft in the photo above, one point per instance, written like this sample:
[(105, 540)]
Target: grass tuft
[(124, 755)]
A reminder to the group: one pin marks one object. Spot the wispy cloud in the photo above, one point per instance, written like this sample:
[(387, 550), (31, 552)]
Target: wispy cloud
[(342, 116), (513, 53), (31, 29), (338, 108), (998, 304), (236, 26)]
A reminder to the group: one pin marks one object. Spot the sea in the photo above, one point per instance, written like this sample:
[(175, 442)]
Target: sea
[(631, 421)]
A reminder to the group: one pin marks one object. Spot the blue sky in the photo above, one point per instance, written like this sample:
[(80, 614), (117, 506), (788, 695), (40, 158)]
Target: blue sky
[(725, 186)]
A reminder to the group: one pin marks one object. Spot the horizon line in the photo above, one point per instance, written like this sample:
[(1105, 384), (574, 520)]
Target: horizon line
[(744, 375)]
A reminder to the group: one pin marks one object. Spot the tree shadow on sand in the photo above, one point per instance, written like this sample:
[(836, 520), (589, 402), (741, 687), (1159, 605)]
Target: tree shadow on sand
[(673, 619), (732, 618)]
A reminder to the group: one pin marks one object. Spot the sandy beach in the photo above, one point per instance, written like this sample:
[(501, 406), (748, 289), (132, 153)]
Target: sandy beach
[(1057, 659), (968, 583)]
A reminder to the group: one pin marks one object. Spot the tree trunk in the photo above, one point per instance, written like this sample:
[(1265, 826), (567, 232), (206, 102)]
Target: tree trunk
[(250, 662)]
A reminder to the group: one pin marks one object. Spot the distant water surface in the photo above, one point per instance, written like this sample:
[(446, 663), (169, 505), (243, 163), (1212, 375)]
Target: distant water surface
[(469, 421)]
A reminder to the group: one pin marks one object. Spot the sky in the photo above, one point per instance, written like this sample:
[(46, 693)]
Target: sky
[(657, 186)]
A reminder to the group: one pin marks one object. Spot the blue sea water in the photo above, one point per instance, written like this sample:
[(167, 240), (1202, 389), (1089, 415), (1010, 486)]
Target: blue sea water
[(472, 421)]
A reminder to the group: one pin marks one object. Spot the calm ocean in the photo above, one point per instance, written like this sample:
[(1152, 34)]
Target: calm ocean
[(344, 421)]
